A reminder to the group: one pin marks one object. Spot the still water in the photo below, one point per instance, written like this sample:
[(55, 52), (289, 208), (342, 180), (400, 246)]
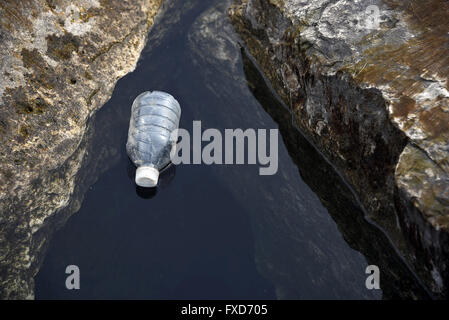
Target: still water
[(219, 231)]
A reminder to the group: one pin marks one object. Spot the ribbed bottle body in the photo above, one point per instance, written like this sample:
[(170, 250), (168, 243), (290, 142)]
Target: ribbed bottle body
[(155, 115)]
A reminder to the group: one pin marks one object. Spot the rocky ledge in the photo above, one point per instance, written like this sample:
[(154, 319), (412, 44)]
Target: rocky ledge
[(60, 61), (367, 81)]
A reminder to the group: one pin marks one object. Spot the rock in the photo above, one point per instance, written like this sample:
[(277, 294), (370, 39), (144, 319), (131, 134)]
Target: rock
[(60, 63), (374, 98)]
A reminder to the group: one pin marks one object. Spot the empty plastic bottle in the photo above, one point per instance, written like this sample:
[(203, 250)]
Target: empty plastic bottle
[(154, 116)]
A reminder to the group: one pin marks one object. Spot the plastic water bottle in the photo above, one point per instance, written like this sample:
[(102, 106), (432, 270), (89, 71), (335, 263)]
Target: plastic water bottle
[(154, 116)]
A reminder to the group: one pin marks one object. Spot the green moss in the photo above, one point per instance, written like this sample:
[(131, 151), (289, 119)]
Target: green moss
[(75, 118), (278, 3), (41, 74), (36, 106), (62, 47), (24, 131), (85, 16), (7, 174), (51, 4), (88, 75), (91, 95), (24, 107), (19, 157), (3, 125), (32, 58)]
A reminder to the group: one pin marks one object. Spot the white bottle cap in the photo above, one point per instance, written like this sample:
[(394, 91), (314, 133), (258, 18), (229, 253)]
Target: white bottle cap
[(147, 177)]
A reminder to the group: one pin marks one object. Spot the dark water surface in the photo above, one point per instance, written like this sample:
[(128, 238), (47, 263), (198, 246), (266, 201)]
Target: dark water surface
[(213, 232)]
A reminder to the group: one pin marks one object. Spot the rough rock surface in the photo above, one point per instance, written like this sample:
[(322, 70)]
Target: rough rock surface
[(374, 98), (60, 61)]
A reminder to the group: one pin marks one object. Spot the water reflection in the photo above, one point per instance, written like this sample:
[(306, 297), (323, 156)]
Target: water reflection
[(166, 176), (146, 193)]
